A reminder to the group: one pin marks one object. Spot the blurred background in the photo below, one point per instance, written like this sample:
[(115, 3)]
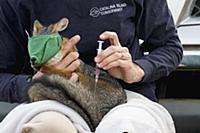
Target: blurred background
[(179, 92)]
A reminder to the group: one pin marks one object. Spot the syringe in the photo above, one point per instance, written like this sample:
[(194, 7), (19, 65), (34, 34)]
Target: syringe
[(97, 71)]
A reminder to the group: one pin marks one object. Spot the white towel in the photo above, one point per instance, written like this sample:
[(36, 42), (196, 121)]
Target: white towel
[(139, 115)]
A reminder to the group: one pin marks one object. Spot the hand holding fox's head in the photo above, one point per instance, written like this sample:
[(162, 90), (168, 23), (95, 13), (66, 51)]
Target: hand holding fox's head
[(50, 52)]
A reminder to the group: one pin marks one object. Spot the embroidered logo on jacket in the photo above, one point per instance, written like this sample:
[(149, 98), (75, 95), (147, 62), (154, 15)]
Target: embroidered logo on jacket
[(105, 10)]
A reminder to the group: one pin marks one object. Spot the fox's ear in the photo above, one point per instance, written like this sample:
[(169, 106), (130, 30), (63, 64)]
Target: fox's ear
[(62, 24), (37, 27)]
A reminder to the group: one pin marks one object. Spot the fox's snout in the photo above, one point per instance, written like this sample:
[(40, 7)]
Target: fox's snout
[(33, 61)]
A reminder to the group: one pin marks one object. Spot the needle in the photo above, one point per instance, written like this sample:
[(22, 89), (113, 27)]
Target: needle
[(97, 71)]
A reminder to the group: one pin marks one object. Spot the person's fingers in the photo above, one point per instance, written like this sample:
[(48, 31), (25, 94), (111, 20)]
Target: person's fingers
[(114, 57), (69, 44), (111, 36), (118, 63), (74, 77), (68, 60), (73, 66), (126, 56), (105, 53), (112, 50), (37, 75)]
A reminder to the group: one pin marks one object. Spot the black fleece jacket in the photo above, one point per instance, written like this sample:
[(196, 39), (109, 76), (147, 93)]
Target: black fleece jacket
[(147, 20)]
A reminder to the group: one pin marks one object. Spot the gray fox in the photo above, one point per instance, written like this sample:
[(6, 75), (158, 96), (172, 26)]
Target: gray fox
[(91, 102)]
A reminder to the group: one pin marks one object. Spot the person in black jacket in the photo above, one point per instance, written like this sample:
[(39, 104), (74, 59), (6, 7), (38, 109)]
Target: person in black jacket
[(133, 28), (128, 22)]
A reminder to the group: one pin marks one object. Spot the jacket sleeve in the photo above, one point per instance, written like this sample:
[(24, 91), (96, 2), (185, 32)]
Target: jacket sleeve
[(13, 53), (12, 87), (156, 28)]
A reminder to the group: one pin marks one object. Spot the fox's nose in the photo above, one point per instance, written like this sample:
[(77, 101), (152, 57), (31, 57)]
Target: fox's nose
[(33, 61)]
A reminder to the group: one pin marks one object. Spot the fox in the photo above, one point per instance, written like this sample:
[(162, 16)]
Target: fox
[(89, 99)]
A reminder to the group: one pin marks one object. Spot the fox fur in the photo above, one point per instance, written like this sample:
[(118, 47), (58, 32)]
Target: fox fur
[(91, 101)]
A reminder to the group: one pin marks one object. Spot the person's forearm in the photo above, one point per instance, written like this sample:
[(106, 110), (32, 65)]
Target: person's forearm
[(161, 62), (12, 87)]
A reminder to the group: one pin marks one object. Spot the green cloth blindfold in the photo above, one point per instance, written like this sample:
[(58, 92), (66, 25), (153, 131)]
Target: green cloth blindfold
[(41, 48)]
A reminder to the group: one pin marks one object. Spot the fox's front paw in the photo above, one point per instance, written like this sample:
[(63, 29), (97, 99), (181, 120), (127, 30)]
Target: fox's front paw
[(37, 98)]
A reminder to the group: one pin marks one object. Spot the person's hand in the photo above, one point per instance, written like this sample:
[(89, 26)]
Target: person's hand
[(70, 61), (118, 60)]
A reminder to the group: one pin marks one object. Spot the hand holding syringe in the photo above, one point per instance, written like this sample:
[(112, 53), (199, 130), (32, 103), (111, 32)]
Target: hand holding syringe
[(97, 71)]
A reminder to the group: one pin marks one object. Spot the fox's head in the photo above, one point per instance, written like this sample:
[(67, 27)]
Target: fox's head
[(46, 42), (39, 29)]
